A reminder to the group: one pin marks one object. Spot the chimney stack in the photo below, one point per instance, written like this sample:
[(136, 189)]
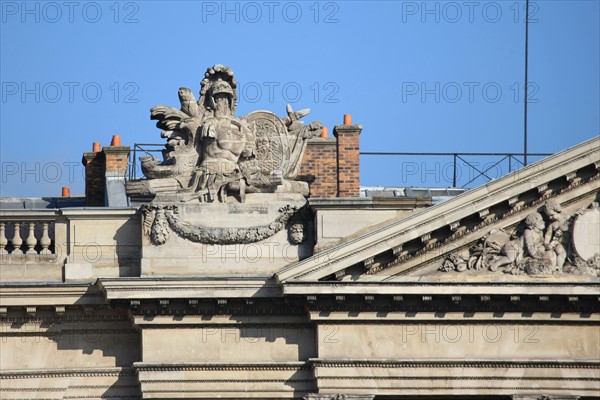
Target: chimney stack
[(348, 158), (331, 166), (105, 173)]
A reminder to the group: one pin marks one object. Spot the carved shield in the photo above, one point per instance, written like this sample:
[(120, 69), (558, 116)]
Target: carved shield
[(586, 234), (272, 147)]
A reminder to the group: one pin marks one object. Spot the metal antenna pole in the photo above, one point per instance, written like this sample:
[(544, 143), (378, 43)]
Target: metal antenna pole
[(526, 81)]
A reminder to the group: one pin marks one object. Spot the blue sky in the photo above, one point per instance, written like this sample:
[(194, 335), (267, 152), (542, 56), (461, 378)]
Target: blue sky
[(420, 76)]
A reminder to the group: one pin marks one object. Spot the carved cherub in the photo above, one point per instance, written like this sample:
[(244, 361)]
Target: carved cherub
[(535, 246), (556, 231), (510, 253)]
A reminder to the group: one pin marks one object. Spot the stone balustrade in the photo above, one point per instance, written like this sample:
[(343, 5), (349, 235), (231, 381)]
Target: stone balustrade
[(68, 244), (39, 237), (27, 232)]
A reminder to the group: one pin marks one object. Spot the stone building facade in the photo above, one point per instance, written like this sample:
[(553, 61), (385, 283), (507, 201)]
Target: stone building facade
[(273, 279)]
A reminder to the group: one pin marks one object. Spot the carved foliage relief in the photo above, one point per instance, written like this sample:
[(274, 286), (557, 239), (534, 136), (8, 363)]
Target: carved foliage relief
[(161, 220)]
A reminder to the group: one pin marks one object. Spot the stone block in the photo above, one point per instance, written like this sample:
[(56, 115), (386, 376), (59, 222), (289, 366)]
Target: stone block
[(79, 272)]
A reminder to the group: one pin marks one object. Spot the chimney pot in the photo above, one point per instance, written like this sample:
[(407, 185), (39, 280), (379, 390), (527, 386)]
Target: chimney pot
[(324, 132), (347, 119), (96, 147), (66, 191), (116, 140)]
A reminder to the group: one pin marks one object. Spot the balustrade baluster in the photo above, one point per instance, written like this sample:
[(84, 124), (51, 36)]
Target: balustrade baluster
[(3, 240), (31, 240), (45, 239), (16, 240)]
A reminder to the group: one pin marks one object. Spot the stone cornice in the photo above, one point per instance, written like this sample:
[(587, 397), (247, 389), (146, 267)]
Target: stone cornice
[(30, 214), (457, 377), (469, 302), (565, 288), (436, 317), (223, 366), (190, 320), (98, 212), (397, 363), (188, 288), (368, 203), (70, 383), (65, 373), (72, 213), (41, 294), (229, 379)]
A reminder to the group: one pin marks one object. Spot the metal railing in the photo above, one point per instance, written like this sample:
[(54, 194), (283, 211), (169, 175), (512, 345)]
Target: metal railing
[(514, 163), (512, 159), (144, 148)]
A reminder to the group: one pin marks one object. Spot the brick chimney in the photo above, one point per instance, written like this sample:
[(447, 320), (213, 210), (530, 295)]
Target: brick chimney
[(348, 158), (105, 172), (95, 167), (331, 166)]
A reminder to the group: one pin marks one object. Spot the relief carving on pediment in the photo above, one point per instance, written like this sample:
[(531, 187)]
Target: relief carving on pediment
[(547, 243)]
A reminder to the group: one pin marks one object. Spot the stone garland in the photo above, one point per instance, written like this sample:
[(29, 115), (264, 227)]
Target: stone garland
[(158, 220)]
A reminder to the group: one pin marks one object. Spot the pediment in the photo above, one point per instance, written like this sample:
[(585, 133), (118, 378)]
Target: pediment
[(414, 248)]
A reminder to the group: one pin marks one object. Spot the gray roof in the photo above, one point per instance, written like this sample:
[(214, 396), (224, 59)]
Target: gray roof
[(31, 203)]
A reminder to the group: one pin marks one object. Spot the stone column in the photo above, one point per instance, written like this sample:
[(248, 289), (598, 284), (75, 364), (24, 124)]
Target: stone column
[(348, 159)]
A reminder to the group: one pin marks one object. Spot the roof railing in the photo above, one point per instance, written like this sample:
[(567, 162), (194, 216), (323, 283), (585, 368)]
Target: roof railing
[(141, 148), (514, 163)]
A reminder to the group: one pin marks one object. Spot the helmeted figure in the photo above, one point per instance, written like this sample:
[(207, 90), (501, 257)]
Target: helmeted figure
[(223, 138), (210, 151)]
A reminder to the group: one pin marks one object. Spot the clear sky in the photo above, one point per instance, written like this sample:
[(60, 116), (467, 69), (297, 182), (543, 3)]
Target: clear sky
[(420, 76)]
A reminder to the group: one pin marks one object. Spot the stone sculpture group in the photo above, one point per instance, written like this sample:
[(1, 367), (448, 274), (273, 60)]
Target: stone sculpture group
[(210, 152), (213, 157), (546, 243)]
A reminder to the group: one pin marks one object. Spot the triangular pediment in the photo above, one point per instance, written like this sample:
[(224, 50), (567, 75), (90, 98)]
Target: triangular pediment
[(413, 248)]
